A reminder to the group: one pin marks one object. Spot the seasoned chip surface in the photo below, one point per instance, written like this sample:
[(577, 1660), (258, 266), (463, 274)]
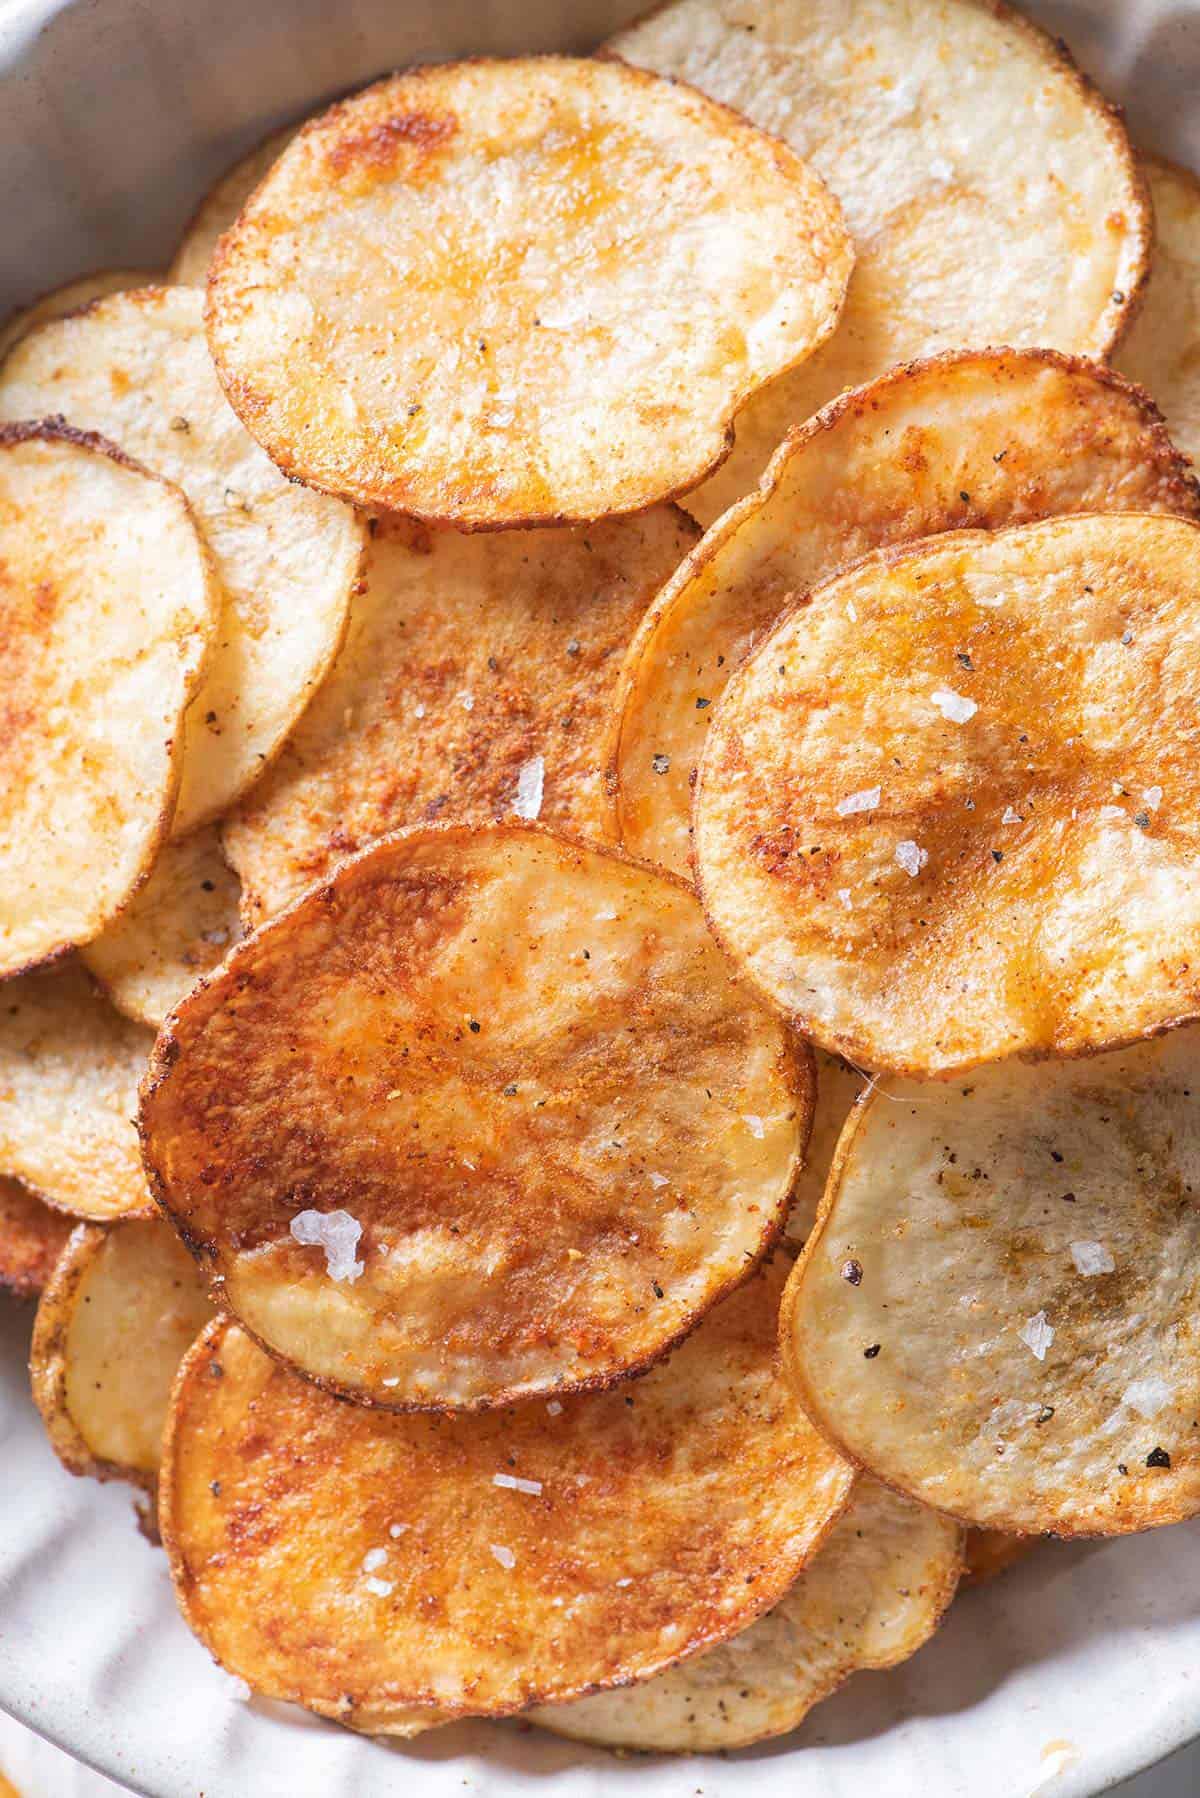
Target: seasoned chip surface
[(991, 193), (31, 1238), (500, 293), (136, 368), (108, 604), (180, 925), (948, 809), (69, 298), (220, 207), (1022, 1251), (471, 665), (976, 439), (123, 1307), (364, 1564), (1162, 349), (486, 1116), (873, 1593), (69, 1072)]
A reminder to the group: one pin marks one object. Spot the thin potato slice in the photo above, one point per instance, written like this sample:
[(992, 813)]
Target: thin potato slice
[(977, 439), (69, 1072), (364, 1564), (989, 1553), (995, 1312), (32, 1237), (220, 207), (179, 927), (69, 298), (839, 1087), (486, 1116), (526, 292), (472, 666), (124, 1306), (108, 604), (992, 194), (136, 367), (1162, 349), (872, 1595), (949, 809)]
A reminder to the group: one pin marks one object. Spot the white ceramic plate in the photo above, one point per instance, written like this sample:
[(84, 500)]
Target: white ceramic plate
[(1074, 1670)]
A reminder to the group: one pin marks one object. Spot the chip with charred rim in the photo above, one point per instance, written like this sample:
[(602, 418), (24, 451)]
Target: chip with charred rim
[(32, 1236)]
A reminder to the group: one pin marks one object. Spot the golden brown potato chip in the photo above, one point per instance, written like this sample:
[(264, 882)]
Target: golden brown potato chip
[(992, 194), (220, 207), (69, 1072), (526, 292), (364, 1564), (476, 680), (1162, 349), (124, 1306), (989, 1553), (32, 1237), (179, 926), (873, 1593), (949, 808), (108, 604), (976, 439), (136, 367), (995, 1311), (486, 1116), (838, 1088), (69, 298)]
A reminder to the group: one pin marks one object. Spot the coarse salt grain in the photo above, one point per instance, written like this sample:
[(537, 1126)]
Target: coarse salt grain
[(1112, 811), (1147, 1397), (380, 1588), (659, 1180), (866, 801), (418, 711), (1091, 1258), (337, 1233), (941, 170), (373, 1559), (852, 611), (505, 1556), (753, 1124), (843, 894), (606, 916), (1037, 1334), (1152, 797), (467, 701), (954, 706), (531, 780), (1010, 815), (511, 1482), (554, 1407), (625, 1582), (391, 1379), (911, 857), (397, 1529)]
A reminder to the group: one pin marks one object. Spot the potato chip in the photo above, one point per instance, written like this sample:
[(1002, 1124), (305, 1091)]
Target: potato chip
[(525, 292), (364, 1564), (179, 927), (136, 367), (991, 192), (989, 1553), (1162, 349), (32, 1237), (69, 1072), (873, 1593), (838, 1089), (124, 1306), (477, 676), (71, 297), (976, 439), (220, 207), (108, 604), (995, 1311), (948, 809), (486, 1116)]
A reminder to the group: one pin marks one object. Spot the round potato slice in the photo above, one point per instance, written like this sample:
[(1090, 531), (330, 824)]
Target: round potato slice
[(839, 1087), (903, 109), (220, 207), (989, 1553), (1162, 349), (976, 439), (32, 1237), (476, 680), (108, 604), (479, 1564), (123, 1307), (526, 292), (136, 367), (69, 298), (995, 1311), (872, 1595), (486, 1116), (949, 809), (177, 928), (69, 1072)]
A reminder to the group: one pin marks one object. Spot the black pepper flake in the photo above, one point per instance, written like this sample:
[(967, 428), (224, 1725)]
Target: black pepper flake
[(999, 455), (661, 763), (493, 665), (965, 498), (962, 656), (1054, 1155), (1121, 1467), (208, 886), (1045, 1414), (629, 1402), (997, 855), (1127, 638), (180, 424), (1068, 1198), (214, 1487), (573, 647), (702, 704), (473, 1027), (1118, 297), (1142, 820), (869, 1354), (1158, 1457), (852, 1272), (510, 1091), (656, 1288)]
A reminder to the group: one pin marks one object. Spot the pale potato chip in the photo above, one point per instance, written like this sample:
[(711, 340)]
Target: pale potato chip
[(948, 809), (480, 1564), (124, 1306), (487, 1116), (136, 367), (180, 926), (69, 1072), (838, 1089), (71, 297), (1162, 349), (525, 292), (108, 605), (220, 207), (872, 1595), (471, 663), (989, 1553), (991, 192), (995, 1312), (974, 439), (32, 1237)]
